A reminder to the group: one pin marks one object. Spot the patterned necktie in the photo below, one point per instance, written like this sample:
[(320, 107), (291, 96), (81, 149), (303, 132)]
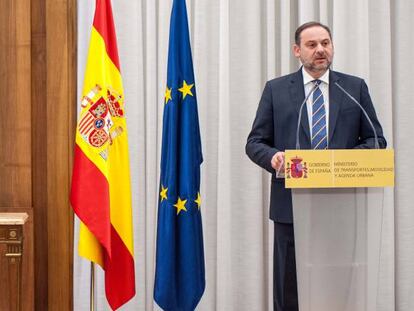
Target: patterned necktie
[(319, 134)]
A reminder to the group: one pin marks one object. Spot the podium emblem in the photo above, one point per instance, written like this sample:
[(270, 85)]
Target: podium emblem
[(295, 168)]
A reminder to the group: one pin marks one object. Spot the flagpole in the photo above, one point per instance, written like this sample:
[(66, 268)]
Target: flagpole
[(92, 293)]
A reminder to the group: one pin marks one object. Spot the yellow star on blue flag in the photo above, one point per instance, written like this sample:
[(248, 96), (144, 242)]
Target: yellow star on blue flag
[(186, 89)]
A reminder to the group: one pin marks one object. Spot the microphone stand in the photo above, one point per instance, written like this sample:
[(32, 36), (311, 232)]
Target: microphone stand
[(365, 113)]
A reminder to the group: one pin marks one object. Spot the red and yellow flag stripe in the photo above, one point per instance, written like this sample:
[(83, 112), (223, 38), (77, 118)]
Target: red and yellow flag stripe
[(101, 191)]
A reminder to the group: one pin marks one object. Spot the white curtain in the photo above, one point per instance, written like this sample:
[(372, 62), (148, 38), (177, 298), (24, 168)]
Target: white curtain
[(238, 45)]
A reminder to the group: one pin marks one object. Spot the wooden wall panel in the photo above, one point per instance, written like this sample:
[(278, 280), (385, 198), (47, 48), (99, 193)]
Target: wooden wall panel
[(28, 289), (61, 104), (37, 124), (39, 152), (15, 125)]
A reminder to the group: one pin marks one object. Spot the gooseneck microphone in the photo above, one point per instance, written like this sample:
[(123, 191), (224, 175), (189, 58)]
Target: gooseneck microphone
[(363, 110), (300, 114)]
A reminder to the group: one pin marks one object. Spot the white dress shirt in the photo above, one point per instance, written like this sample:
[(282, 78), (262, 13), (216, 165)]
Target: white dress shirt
[(324, 87)]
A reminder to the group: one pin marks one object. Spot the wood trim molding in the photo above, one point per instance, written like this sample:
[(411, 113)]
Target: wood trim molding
[(53, 98), (39, 152), (61, 115)]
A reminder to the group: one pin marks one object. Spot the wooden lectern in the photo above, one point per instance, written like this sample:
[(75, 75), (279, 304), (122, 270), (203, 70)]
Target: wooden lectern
[(11, 255)]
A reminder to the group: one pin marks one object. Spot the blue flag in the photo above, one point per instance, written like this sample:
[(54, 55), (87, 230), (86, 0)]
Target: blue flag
[(180, 272)]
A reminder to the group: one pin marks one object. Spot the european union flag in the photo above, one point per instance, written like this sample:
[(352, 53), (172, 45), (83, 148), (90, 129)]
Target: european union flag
[(179, 275)]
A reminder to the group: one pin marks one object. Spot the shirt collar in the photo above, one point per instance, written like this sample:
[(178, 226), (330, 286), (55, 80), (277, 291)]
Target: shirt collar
[(308, 78)]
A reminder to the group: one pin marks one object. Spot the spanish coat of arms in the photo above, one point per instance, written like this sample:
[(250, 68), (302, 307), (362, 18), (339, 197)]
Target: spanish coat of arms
[(96, 125), (295, 168)]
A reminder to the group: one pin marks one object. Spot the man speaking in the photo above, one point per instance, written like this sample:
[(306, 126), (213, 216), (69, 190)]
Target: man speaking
[(332, 119)]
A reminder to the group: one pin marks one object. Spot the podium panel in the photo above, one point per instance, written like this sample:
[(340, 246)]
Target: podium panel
[(337, 241)]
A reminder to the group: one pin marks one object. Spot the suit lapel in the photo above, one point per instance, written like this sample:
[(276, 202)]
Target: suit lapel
[(335, 100), (297, 94)]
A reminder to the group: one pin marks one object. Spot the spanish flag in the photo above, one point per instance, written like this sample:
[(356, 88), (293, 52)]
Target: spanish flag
[(101, 190)]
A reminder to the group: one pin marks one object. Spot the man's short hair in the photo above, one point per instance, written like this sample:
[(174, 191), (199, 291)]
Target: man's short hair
[(309, 25)]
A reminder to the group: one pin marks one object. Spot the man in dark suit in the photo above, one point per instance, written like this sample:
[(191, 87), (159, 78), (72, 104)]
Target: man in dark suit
[(330, 119)]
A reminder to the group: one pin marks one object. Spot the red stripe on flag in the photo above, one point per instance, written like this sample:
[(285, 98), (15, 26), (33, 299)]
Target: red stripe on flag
[(104, 24), (119, 273), (90, 198)]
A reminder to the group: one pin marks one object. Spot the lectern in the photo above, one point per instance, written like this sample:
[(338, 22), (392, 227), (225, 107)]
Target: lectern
[(11, 252), (337, 199)]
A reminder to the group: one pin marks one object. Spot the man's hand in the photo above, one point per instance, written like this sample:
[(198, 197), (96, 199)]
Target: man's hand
[(278, 161)]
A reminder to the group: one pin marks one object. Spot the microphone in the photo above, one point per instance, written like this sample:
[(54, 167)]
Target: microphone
[(365, 113), (300, 114)]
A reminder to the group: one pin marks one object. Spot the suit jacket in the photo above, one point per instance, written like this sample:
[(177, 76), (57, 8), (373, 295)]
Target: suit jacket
[(274, 128)]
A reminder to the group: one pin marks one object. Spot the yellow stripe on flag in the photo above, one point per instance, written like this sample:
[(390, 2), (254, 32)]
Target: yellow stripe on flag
[(120, 193), (89, 247), (99, 70)]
